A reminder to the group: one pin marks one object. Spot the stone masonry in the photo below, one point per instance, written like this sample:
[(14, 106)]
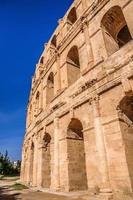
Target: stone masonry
[(79, 130)]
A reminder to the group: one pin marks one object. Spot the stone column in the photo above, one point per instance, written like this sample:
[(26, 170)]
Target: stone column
[(60, 36), (22, 177), (24, 165), (35, 161), (58, 73), (100, 143), (56, 155), (29, 175), (25, 170), (40, 165), (87, 41), (22, 170)]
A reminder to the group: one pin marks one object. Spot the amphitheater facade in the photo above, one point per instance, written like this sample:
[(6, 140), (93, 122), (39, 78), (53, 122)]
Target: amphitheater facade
[(79, 129)]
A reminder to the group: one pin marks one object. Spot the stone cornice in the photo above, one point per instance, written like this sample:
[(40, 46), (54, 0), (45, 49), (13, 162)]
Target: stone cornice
[(85, 92), (87, 97)]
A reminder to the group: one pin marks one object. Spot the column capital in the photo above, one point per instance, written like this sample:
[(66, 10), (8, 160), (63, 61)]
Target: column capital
[(56, 121), (84, 23), (100, 144), (71, 112), (57, 54), (94, 99), (85, 30)]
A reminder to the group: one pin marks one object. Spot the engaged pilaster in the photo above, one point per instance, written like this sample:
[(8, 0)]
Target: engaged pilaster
[(100, 143), (87, 40), (58, 73), (56, 154), (22, 177), (40, 165)]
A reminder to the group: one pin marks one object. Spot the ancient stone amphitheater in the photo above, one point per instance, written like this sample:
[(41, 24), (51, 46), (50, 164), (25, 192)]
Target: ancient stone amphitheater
[(79, 131)]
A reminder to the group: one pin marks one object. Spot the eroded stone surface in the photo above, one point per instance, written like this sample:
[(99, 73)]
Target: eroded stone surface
[(79, 131)]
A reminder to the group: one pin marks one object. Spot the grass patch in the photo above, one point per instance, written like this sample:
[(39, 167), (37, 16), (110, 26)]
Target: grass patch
[(9, 178), (18, 186), (6, 178), (1, 177)]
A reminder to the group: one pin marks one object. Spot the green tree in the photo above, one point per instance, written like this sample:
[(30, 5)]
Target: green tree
[(6, 166)]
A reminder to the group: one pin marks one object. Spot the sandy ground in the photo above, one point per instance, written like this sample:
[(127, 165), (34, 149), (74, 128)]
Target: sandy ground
[(7, 193)]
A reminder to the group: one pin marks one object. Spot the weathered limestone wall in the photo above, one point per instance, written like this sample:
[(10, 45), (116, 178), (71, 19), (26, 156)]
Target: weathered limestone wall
[(117, 163), (76, 165), (127, 130), (79, 117)]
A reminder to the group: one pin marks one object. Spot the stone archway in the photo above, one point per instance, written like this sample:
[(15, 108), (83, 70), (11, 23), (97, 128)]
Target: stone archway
[(76, 156), (54, 41), (115, 29), (46, 161), (125, 113), (50, 88), (73, 65), (71, 18)]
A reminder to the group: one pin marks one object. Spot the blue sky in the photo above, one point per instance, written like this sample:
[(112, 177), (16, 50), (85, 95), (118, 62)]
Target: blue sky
[(25, 25)]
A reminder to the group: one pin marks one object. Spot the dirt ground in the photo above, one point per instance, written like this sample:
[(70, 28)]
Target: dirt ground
[(8, 193)]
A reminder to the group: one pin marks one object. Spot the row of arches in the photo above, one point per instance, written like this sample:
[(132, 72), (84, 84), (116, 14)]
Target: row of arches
[(76, 154), (46, 162), (116, 34), (71, 19), (113, 24), (73, 73)]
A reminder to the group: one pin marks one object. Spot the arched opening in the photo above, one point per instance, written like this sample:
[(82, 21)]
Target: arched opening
[(123, 36), (76, 155), (46, 161), (54, 41), (71, 18), (41, 61), (50, 88), (126, 126), (31, 171), (115, 29), (126, 106), (73, 65), (37, 102)]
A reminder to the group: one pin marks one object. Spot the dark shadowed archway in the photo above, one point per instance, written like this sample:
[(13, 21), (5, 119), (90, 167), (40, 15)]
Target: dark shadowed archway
[(116, 32), (73, 65), (46, 161), (50, 88), (126, 125), (76, 156), (32, 155), (71, 18)]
